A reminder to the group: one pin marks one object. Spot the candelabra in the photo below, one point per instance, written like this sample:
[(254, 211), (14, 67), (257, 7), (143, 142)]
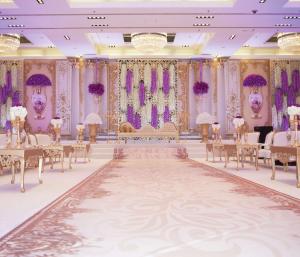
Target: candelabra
[(238, 123), (294, 112), (80, 131), (57, 123), (294, 122), (216, 132), (17, 116)]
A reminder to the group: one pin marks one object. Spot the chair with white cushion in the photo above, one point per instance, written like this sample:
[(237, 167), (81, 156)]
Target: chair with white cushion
[(265, 152), (43, 139)]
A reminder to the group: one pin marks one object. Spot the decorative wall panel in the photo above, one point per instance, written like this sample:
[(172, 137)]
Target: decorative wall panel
[(232, 93), (47, 68), (260, 67), (64, 94)]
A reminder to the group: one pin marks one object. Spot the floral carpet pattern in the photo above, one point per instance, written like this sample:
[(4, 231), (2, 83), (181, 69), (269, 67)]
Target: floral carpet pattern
[(154, 202)]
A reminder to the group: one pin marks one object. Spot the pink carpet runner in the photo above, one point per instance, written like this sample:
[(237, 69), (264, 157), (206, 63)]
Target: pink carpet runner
[(153, 201)]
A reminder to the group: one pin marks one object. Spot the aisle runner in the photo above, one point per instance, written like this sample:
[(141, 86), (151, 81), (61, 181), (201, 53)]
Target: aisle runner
[(153, 202)]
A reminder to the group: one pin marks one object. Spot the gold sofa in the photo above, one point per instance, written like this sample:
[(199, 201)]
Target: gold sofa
[(169, 131)]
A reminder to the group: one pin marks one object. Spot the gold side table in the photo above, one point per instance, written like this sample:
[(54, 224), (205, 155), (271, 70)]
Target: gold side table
[(23, 155)]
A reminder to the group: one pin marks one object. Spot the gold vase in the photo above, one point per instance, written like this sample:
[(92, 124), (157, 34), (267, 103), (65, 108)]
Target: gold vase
[(57, 131), (93, 128), (204, 132), (18, 124), (80, 136), (294, 123)]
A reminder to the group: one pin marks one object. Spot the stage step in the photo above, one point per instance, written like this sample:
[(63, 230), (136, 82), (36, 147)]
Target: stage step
[(102, 151)]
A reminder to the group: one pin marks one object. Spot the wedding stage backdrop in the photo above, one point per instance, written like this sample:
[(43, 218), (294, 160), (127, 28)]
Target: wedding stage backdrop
[(147, 92)]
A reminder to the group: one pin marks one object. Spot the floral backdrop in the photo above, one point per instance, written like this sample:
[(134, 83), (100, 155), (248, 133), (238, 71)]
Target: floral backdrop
[(286, 91), (10, 88), (147, 92)]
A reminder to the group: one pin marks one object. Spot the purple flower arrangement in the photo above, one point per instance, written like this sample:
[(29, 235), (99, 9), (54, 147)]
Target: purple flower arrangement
[(16, 98), (285, 123), (137, 121), (166, 82), (167, 114), (154, 116), (96, 89), (291, 96), (129, 76), (153, 81), (278, 99), (254, 80), (142, 93), (200, 88), (296, 80), (38, 80), (130, 114)]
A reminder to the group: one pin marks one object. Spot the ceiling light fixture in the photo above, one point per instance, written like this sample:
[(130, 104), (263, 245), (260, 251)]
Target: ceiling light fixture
[(67, 37), (96, 17), (262, 1), (291, 17), (149, 42), (232, 36), (16, 26), (99, 25), (8, 18), (9, 42), (205, 17), (40, 1), (283, 25), (289, 41), (201, 24)]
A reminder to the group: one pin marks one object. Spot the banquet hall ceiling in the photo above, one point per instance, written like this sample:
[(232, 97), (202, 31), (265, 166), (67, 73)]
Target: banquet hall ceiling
[(202, 28)]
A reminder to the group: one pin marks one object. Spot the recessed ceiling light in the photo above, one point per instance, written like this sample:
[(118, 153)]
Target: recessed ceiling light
[(99, 25), (67, 37), (8, 18), (201, 24), (96, 17), (205, 17), (232, 36), (291, 17), (283, 25), (40, 1), (15, 25), (262, 1)]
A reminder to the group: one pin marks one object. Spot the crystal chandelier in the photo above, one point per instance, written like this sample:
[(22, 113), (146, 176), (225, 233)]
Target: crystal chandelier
[(9, 42), (289, 41), (149, 42)]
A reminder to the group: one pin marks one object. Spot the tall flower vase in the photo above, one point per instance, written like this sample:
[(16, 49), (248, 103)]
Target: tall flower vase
[(256, 103)]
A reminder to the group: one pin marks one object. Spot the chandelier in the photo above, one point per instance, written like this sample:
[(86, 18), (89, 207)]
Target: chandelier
[(149, 42), (289, 41), (9, 42)]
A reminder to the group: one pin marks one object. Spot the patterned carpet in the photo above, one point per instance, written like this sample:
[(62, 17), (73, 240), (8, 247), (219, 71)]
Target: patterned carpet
[(152, 201)]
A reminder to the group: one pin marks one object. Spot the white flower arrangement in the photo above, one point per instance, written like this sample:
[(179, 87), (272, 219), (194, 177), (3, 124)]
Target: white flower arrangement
[(204, 118), (172, 100), (293, 110), (216, 125), (93, 118), (80, 126), (18, 111), (123, 75), (238, 122), (56, 122)]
